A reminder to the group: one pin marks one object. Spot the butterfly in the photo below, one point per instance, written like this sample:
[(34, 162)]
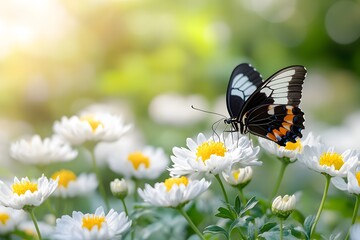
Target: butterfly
[(270, 108)]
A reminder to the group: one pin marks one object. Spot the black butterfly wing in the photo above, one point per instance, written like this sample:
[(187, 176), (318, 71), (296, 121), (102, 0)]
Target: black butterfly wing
[(244, 81), (283, 87), (272, 110), (279, 123)]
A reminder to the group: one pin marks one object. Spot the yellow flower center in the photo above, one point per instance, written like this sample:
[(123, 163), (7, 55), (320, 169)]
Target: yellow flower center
[(331, 159), (205, 150), (65, 176), (23, 186), (91, 221), (4, 217), (169, 183), (358, 177), (94, 123), (293, 146), (236, 174), (137, 158)]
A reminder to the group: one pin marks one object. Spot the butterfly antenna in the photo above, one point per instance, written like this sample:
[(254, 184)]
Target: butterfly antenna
[(214, 127), (201, 110)]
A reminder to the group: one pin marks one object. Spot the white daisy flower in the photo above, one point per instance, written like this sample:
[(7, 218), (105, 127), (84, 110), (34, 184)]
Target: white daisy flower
[(38, 151), (283, 206), (71, 185), (352, 185), (97, 127), (239, 176), (325, 160), (149, 163), (26, 193), (95, 226), (10, 219), (173, 191), (130, 142), (290, 150), (245, 154), (210, 156)]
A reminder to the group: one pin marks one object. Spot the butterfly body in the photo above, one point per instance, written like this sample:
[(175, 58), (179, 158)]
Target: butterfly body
[(270, 108)]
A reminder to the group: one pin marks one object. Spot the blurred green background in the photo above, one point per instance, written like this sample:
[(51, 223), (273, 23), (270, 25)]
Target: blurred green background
[(59, 56)]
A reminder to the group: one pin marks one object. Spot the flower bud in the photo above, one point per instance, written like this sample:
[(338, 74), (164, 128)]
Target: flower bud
[(119, 188), (239, 177), (283, 206)]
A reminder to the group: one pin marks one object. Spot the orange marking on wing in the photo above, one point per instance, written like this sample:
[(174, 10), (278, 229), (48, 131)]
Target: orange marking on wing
[(289, 118), (277, 133), (283, 130), (271, 137), (286, 125)]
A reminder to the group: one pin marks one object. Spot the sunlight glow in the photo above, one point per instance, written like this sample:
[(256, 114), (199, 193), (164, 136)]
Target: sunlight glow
[(23, 23)]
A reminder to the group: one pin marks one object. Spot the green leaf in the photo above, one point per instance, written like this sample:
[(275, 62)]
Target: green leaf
[(237, 204), (233, 212), (224, 213), (236, 223), (216, 230), (267, 226), (298, 233), (269, 235), (239, 222), (298, 216), (309, 221), (251, 231), (249, 205)]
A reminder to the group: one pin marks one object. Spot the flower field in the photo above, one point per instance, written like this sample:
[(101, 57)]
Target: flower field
[(159, 120)]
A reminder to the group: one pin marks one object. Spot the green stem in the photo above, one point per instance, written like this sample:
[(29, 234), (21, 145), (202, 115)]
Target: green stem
[(124, 205), (241, 195), (101, 185), (281, 229), (240, 233), (280, 177), (222, 188), (192, 225), (33, 218), (327, 184), (243, 200), (356, 208), (225, 195)]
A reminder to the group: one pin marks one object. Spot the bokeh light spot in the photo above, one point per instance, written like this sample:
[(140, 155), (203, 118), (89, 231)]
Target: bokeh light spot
[(342, 22)]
